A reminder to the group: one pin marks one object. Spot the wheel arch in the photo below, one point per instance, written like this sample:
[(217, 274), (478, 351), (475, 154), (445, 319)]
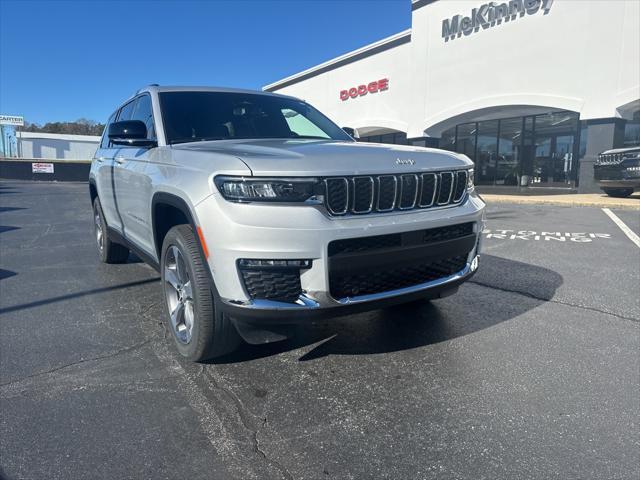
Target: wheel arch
[(93, 189), (167, 211)]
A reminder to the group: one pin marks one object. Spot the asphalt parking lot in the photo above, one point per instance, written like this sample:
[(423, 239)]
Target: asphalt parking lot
[(531, 371)]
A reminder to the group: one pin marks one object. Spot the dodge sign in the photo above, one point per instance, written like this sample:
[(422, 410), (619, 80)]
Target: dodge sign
[(361, 90)]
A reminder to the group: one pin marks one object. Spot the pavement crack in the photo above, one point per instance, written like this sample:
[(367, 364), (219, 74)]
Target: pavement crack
[(551, 300), (79, 362), (245, 419)]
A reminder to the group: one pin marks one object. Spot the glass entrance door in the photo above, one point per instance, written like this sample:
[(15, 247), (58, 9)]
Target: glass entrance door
[(553, 161), (554, 146), (536, 150)]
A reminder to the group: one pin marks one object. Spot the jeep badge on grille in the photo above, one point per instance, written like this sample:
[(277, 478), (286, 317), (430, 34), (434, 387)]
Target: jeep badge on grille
[(405, 161)]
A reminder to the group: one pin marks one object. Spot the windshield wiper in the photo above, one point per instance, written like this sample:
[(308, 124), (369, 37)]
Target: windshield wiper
[(200, 139), (311, 136)]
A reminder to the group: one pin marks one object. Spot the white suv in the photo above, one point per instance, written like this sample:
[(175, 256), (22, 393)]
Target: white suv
[(259, 212)]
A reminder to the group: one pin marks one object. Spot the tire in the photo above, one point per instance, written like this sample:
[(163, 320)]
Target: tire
[(110, 252), (618, 192), (199, 328)]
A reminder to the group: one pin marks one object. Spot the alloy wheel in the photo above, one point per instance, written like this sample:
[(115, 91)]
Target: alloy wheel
[(178, 294), (98, 230)]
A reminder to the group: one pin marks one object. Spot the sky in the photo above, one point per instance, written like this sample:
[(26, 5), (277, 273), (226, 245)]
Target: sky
[(63, 60)]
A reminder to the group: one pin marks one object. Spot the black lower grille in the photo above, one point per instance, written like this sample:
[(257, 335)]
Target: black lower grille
[(364, 244), (449, 232), (383, 281), (367, 265), (281, 285)]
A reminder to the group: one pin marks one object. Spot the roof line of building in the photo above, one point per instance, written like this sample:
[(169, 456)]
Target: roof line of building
[(416, 4), (58, 136), (350, 57)]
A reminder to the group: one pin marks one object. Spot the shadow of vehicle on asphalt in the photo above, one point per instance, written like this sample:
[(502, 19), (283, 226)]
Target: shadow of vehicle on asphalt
[(480, 304)]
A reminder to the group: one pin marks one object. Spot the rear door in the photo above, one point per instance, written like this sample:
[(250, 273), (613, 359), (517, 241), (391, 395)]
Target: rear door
[(133, 184), (104, 177)]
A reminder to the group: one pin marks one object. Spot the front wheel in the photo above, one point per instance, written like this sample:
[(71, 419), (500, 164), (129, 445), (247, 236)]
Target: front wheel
[(200, 329), (618, 192)]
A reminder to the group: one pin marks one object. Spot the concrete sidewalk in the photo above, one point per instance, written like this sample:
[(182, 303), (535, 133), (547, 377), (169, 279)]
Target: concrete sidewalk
[(571, 200)]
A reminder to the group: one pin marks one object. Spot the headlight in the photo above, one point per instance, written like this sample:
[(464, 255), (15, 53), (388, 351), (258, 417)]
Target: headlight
[(470, 179), (252, 189)]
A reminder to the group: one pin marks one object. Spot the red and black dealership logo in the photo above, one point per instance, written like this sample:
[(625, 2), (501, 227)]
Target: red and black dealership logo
[(361, 90)]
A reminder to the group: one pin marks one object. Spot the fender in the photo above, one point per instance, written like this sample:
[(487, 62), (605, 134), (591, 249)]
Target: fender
[(93, 189), (180, 204)]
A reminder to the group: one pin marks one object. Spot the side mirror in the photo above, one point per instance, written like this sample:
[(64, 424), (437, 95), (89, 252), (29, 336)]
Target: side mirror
[(349, 131), (130, 132)]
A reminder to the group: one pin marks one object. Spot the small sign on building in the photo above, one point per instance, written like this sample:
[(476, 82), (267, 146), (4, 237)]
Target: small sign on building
[(42, 168), (13, 120)]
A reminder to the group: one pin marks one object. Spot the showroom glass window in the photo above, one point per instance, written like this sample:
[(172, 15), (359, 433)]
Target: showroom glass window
[(486, 152), (466, 140), (509, 151), (632, 131), (532, 150), (396, 138)]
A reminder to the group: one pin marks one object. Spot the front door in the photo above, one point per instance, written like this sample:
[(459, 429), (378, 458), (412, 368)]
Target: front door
[(104, 179), (133, 184), (553, 160)]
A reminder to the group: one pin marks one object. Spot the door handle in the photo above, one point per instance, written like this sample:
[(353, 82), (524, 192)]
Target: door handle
[(119, 160), (100, 159)]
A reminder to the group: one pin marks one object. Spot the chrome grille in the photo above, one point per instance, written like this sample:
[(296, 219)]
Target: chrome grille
[(362, 189), (337, 195), (408, 191), (364, 194), (387, 191), (446, 188), (610, 158)]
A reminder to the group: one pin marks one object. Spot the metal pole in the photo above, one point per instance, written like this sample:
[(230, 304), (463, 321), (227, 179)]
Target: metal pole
[(20, 141)]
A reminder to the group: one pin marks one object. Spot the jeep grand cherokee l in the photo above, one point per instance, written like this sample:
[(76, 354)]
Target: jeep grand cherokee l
[(618, 171), (259, 212)]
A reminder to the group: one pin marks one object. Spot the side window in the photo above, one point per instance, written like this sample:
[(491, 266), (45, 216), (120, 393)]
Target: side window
[(144, 113), (104, 143), (126, 111)]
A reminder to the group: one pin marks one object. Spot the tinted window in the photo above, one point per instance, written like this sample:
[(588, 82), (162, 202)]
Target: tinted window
[(126, 111), (143, 112), (198, 116), (104, 143)]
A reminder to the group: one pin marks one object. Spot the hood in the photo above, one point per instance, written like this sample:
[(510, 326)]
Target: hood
[(302, 157)]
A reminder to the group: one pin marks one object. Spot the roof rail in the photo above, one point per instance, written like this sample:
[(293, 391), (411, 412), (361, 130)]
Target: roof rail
[(150, 85)]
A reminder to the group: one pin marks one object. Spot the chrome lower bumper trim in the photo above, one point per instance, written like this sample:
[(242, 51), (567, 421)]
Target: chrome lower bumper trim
[(306, 302), (414, 288)]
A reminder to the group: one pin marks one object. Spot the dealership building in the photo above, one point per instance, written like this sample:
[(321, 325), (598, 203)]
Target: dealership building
[(530, 90)]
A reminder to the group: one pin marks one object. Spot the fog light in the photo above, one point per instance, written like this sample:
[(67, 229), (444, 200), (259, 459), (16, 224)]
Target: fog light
[(254, 263)]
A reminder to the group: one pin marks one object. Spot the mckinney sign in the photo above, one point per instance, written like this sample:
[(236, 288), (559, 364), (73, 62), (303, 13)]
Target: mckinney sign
[(491, 14)]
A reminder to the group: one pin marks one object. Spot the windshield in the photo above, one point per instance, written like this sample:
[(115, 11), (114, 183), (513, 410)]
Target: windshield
[(199, 116)]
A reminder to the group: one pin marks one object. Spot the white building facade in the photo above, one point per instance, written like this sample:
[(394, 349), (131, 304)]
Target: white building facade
[(530, 90), (35, 145)]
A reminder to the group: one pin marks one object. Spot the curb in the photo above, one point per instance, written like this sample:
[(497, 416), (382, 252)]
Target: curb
[(489, 199)]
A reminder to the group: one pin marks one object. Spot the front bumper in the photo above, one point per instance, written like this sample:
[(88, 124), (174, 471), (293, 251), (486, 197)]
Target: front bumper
[(625, 174), (260, 231)]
